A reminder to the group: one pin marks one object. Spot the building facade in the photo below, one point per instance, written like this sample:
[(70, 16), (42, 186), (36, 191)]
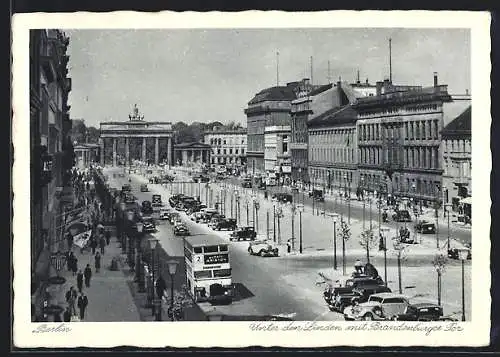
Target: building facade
[(269, 107), (51, 148), (86, 154), (192, 154), (277, 150), (332, 153), (228, 146), (457, 159), (136, 139), (399, 140)]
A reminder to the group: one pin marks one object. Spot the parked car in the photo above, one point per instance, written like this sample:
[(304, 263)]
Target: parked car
[(215, 219), (174, 216), (144, 188), (453, 253), (201, 178), (346, 284), (181, 230), (317, 195), (149, 225), (359, 294), (126, 188), (147, 208), (283, 197), (165, 213), (243, 233), (425, 227), (382, 306), (196, 216), (262, 185), (421, 312), (156, 200), (263, 248), (247, 183), (226, 223), (401, 216), (129, 198)]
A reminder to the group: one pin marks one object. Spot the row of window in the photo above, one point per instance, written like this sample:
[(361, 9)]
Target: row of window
[(416, 157), (330, 154), (333, 136), (219, 142), (411, 130), (458, 145), (393, 110), (224, 160), (230, 151)]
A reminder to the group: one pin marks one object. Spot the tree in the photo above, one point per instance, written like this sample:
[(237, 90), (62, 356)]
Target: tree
[(367, 240)]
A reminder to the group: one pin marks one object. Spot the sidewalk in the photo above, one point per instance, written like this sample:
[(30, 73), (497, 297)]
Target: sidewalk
[(110, 299)]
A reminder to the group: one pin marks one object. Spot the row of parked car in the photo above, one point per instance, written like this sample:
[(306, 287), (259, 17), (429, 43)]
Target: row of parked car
[(364, 297)]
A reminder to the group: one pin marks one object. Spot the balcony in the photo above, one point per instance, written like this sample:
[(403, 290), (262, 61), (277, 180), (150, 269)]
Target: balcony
[(49, 68)]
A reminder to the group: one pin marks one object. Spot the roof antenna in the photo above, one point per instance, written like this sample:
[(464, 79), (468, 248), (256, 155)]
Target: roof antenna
[(329, 78), (390, 60), (277, 68), (311, 70), (357, 78)]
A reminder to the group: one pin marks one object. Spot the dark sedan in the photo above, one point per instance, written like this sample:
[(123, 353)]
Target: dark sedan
[(181, 230), (149, 225), (425, 227), (421, 312)]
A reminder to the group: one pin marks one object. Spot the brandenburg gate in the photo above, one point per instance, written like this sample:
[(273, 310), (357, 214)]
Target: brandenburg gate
[(136, 139)]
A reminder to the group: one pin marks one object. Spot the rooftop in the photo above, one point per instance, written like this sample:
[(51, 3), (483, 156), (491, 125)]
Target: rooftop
[(338, 115), (187, 145), (279, 93), (459, 126)]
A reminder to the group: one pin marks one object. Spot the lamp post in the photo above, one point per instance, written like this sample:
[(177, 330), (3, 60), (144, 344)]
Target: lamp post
[(257, 206), (370, 207), (130, 250), (348, 182), (300, 208), (399, 248), (172, 269), (237, 198), (334, 216), (293, 209), (279, 215), (253, 211), (274, 219), (231, 197), (383, 233), (447, 207), (207, 187), (152, 244), (462, 254), (122, 224), (138, 267), (246, 203)]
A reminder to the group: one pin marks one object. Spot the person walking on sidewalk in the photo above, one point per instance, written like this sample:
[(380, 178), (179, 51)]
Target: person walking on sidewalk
[(67, 315), (69, 239), (69, 261), (102, 242), (83, 301), (74, 264), (97, 262), (71, 296), (93, 244), (108, 237), (79, 281), (87, 273)]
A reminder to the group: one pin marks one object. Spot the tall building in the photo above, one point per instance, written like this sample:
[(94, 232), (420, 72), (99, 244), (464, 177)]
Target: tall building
[(268, 108), (457, 155), (398, 133), (228, 146), (52, 152)]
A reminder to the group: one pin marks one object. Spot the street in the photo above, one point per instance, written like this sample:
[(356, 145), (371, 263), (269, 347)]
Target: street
[(290, 285)]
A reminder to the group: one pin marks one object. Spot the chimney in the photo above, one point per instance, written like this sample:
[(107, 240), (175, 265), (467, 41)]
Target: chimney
[(379, 85), (305, 81), (367, 81), (435, 79), (466, 92)]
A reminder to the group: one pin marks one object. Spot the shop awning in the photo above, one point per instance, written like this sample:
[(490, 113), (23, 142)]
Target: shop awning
[(466, 201)]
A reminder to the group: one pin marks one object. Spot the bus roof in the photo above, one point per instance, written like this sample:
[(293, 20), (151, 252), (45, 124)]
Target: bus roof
[(202, 240)]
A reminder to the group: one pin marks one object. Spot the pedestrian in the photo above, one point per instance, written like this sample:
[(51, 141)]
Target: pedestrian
[(69, 260), (82, 305), (71, 295), (69, 239), (102, 242), (74, 265), (93, 244), (358, 267), (160, 287), (97, 262), (108, 237), (67, 315), (87, 273), (288, 246), (79, 281)]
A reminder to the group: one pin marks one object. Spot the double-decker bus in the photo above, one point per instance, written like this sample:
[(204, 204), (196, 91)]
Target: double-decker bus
[(208, 268)]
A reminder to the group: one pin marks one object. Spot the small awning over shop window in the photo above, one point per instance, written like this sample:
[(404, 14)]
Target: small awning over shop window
[(466, 201)]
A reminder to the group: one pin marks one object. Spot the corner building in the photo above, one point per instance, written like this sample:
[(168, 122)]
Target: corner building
[(399, 140)]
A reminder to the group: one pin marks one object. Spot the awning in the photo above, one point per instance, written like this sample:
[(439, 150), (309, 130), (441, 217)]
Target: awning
[(466, 201)]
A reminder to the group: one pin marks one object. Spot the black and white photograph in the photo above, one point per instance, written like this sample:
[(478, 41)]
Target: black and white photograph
[(291, 183)]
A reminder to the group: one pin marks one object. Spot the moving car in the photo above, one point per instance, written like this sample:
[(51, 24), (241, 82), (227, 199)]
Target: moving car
[(144, 188), (283, 197), (147, 208), (226, 223), (421, 312), (401, 216), (383, 306), (149, 225), (317, 195), (425, 227), (126, 188), (181, 230), (247, 183), (196, 216), (174, 216), (165, 213), (263, 248), (243, 233), (129, 198), (156, 201), (453, 253)]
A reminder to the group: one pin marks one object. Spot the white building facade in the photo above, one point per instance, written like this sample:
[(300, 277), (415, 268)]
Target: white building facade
[(228, 146), (277, 150)]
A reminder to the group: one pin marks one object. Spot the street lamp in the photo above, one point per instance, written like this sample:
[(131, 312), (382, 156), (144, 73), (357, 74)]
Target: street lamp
[(279, 215), (383, 233), (130, 250), (257, 206), (172, 269), (348, 182), (447, 207), (399, 248), (274, 219), (238, 215), (462, 254), (293, 209), (138, 272), (335, 216), (300, 208), (122, 224), (152, 244)]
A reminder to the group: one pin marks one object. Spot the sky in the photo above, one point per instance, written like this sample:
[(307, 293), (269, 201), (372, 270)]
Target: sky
[(210, 75)]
